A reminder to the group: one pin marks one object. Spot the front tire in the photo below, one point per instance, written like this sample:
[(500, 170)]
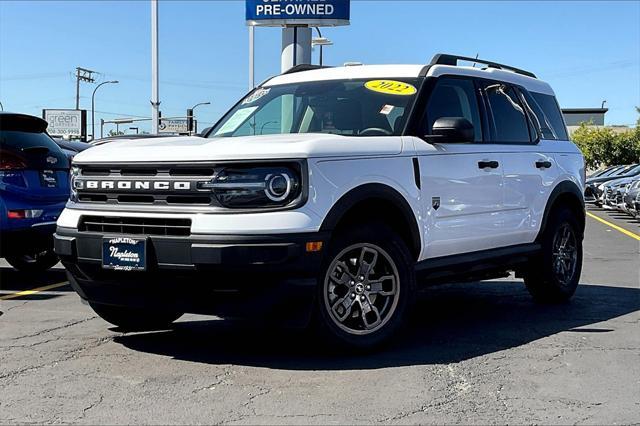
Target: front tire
[(554, 275), (365, 288), (38, 262), (135, 319)]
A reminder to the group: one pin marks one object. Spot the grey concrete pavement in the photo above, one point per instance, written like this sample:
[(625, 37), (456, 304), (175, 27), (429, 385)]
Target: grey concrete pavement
[(474, 353)]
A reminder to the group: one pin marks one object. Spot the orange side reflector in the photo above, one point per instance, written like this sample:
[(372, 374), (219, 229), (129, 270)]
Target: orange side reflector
[(314, 246)]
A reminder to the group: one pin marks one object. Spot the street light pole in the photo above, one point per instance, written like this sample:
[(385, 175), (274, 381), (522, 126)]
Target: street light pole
[(93, 104), (190, 116), (252, 40), (155, 90), (320, 41), (320, 36)]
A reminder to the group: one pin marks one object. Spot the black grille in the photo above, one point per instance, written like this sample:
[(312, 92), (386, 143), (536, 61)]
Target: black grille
[(186, 173), (135, 225)]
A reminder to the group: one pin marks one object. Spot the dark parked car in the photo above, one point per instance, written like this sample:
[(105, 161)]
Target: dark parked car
[(34, 188), (594, 186), (108, 139), (71, 148), (631, 197)]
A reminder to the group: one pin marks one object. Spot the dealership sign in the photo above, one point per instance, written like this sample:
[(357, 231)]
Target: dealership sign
[(65, 122), (174, 126), (297, 12)]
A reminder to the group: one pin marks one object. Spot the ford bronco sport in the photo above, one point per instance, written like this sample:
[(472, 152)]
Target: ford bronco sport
[(331, 195)]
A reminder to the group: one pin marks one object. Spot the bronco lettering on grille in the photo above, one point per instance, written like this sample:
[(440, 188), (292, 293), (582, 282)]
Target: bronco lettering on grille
[(133, 185)]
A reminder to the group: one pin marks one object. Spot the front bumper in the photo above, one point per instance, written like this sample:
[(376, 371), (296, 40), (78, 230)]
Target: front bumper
[(227, 275)]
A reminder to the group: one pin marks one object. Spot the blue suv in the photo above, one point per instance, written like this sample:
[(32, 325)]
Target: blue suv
[(34, 188)]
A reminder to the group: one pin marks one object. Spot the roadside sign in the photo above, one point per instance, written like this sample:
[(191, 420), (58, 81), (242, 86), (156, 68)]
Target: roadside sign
[(174, 126), (66, 122), (297, 12)]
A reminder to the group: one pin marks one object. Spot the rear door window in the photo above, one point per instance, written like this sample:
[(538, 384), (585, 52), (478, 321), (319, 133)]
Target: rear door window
[(507, 115), (551, 110)]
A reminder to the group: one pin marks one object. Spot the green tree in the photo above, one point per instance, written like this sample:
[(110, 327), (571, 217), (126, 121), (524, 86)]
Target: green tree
[(604, 147), (114, 133)]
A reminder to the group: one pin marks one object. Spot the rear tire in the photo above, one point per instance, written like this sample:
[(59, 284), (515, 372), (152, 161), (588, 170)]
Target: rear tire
[(554, 275), (135, 319), (365, 288), (38, 262)]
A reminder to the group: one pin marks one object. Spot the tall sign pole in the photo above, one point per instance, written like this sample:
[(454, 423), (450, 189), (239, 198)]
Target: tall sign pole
[(252, 69), (296, 20), (155, 73), (296, 47)]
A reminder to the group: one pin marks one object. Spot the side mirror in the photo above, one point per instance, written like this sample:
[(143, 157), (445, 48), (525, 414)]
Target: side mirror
[(452, 129)]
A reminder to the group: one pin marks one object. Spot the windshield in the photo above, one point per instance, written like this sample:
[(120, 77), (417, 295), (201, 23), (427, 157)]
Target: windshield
[(343, 107)]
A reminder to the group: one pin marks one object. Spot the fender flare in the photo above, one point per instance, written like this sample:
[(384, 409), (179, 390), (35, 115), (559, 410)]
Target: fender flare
[(564, 188), (374, 191)]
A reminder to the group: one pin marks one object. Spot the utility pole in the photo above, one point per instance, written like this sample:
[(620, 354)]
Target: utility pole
[(82, 74), (155, 91)]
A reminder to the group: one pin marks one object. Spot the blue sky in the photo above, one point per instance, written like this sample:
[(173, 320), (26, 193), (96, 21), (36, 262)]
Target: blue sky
[(588, 51)]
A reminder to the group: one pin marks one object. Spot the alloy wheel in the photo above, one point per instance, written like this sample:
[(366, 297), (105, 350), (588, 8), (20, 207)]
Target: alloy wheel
[(361, 289), (565, 254)]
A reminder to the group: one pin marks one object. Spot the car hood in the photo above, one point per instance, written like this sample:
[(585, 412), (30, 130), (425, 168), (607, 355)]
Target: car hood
[(182, 148), (600, 180), (619, 181)]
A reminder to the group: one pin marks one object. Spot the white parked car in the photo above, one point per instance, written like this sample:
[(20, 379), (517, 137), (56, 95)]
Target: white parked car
[(332, 195)]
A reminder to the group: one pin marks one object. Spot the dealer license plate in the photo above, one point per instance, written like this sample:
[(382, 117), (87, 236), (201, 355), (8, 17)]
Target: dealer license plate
[(124, 253)]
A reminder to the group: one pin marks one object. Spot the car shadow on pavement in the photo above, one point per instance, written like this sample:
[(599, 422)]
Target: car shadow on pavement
[(450, 324), (12, 280)]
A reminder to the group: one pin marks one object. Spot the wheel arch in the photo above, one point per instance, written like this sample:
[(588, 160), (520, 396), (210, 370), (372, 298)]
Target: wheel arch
[(390, 206), (566, 193)]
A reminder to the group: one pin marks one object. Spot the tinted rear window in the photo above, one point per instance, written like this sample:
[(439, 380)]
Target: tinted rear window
[(38, 149), (552, 115)]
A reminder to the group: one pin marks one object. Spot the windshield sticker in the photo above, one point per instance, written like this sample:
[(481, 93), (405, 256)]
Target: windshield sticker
[(390, 87), (255, 96), (236, 120), (386, 110)]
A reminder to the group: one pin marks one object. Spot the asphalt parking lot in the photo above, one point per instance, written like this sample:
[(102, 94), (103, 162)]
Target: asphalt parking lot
[(475, 353)]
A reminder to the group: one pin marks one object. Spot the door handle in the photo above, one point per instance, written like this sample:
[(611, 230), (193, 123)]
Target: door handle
[(488, 164), (543, 164)]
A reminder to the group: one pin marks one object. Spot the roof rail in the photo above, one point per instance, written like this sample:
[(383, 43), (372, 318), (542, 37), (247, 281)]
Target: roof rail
[(445, 59), (303, 67)]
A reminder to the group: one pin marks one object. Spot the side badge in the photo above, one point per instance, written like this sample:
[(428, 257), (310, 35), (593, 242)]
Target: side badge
[(435, 203)]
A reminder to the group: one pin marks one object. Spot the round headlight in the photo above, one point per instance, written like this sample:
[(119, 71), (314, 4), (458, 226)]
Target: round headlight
[(278, 186)]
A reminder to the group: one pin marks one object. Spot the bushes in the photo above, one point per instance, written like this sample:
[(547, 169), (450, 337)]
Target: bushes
[(604, 147)]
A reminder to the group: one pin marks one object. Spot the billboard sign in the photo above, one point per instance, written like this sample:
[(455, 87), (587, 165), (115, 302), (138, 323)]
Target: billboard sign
[(66, 122), (297, 12), (173, 126)]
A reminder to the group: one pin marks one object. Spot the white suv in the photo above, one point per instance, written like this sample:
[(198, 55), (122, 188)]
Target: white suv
[(332, 195)]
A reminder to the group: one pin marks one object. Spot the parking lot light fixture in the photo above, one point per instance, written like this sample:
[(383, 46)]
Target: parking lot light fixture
[(190, 117), (93, 98), (320, 41)]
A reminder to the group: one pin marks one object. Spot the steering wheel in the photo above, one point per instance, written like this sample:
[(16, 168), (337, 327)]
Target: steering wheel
[(375, 130)]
